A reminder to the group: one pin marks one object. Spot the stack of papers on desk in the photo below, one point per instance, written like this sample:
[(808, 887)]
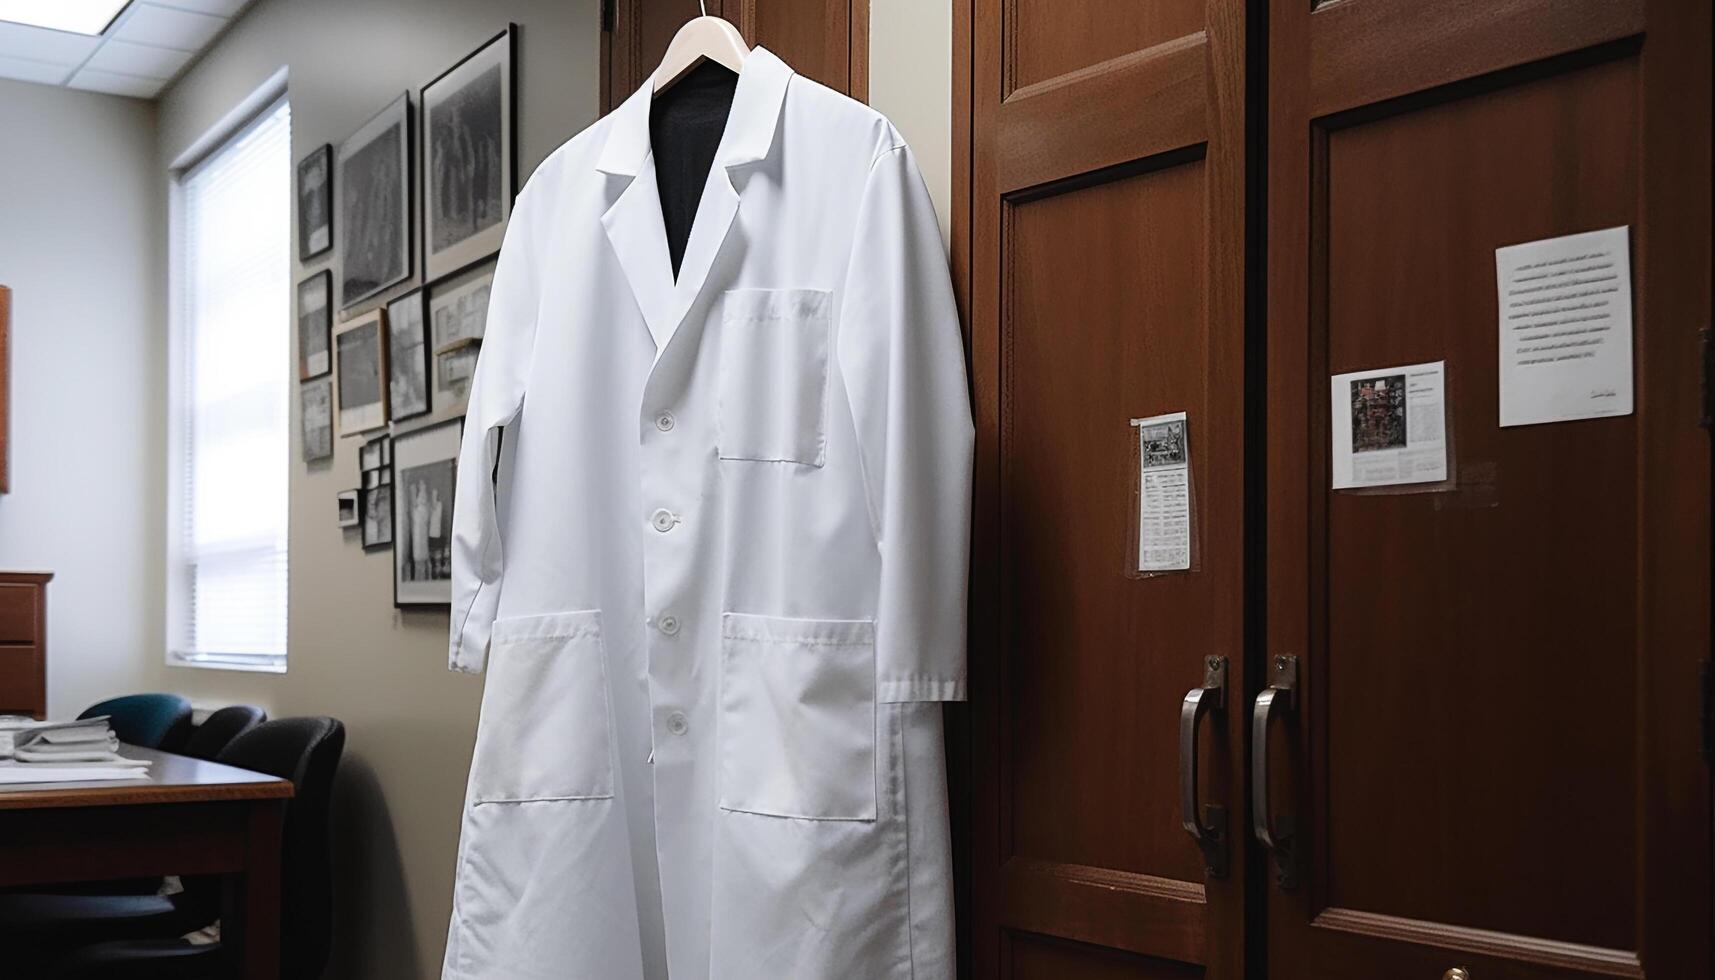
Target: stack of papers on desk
[(63, 751)]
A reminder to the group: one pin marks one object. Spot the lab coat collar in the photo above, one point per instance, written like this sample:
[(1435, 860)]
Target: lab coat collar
[(634, 224), (751, 122)]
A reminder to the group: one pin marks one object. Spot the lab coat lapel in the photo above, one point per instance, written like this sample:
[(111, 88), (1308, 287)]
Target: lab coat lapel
[(708, 233), (639, 238), (634, 223)]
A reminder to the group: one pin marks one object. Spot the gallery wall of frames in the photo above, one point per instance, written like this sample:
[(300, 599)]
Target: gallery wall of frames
[(391, 369)]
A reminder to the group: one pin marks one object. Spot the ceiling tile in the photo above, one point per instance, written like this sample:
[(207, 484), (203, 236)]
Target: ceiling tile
[(25, 70), (114, 83), (41, 44), (220, 8), (138, 59), (166, 27)]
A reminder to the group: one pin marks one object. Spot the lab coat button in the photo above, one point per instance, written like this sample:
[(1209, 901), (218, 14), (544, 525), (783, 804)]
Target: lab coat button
[(669, 625), (663, 520), (664, 421), (676, 723)]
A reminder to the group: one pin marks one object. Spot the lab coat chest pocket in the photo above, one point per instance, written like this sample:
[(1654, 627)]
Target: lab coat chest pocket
[(774, 374), (545, 728), (797, 717)]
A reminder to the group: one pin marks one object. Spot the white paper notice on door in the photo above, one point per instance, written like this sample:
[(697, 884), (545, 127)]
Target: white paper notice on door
[(1164, 493), (1565, 328), (1389, 426)]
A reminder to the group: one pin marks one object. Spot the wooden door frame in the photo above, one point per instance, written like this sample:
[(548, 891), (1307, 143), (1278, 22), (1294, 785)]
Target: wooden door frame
[(620, 37), (960, 719)]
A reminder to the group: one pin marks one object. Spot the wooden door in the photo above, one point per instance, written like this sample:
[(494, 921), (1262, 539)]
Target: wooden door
[(827, 40), (1492, 764), (1106, 283)]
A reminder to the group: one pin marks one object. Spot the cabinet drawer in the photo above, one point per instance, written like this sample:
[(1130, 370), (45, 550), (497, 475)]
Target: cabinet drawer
[(18, 613), (20, 679)]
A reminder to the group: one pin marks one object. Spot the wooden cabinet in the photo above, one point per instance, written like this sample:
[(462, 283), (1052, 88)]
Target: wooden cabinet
[(24, 643), (827, 40), (1484, 756)]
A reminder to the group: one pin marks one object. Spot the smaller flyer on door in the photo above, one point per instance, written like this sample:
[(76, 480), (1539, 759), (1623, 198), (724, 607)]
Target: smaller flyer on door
[(1389, 426), (1164, 494)]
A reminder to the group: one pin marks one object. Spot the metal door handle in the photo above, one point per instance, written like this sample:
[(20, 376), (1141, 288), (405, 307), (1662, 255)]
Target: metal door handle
[(1274, 833), (1207, 824)]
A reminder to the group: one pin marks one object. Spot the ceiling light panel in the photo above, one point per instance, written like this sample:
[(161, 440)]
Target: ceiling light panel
[(75, 16)]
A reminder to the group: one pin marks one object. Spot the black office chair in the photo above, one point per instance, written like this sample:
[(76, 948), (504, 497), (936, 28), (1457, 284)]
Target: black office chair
[(154, 721), (126, 937), (222, 726)]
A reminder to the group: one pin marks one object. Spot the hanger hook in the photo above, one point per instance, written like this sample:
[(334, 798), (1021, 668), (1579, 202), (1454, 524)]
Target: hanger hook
[(703, 7)]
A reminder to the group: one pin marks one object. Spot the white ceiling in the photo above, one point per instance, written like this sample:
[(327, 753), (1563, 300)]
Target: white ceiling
[(146, 47)]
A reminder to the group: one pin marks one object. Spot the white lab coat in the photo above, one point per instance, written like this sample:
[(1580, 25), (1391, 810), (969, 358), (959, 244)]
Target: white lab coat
[(710, 539)]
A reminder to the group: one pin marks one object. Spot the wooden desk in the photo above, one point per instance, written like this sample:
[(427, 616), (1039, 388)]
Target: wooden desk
[(188, 817)]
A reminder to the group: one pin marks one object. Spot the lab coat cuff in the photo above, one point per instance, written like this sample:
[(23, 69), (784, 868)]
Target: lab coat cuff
[(468, 654), (920, 687)]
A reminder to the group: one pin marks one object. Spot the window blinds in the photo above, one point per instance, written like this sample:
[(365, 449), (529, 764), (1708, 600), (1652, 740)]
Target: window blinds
[(234, 323)]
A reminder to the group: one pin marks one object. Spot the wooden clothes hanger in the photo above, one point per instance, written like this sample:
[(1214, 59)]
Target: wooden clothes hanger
[(701, 38)]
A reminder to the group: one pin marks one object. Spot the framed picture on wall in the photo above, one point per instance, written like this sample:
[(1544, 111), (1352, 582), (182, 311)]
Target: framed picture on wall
[(468, 169), (458, 317), (377, 517), (361, 349), (315, 413), (424, 464), (407, 356), (315, 323), (315, 203), (374, 184), (348, 508)]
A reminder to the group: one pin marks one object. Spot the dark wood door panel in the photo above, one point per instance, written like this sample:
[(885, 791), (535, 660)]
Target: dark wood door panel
[(815, 36), (1495, 756), (1107, 324), (1036, 958), (827, 40), (1350, 945), (1362, 52), (1107, 190), (1444, 608), (1046, 39), (1058, 131)]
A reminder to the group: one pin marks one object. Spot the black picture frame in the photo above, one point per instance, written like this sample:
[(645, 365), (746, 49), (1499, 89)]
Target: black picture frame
[(360, 363), (377, 525), (425, 458), (409, 383), (314, 302), (315, 203), (349, 512), (453, 104), (373, 175), (315, 419)]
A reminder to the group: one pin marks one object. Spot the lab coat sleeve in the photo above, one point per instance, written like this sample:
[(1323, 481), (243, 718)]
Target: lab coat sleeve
[(901, 356), (496, 398)]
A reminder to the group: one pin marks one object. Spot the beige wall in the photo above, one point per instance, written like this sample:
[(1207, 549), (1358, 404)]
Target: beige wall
[(911, 82), (79, 245), (410, 723)]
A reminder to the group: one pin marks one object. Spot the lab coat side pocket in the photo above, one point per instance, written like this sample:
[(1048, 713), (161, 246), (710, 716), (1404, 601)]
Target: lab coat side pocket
[(545, 730), (774, 375), (797, 717)]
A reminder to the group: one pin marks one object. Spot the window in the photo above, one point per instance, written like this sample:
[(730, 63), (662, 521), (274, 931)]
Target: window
[(230, 400)]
